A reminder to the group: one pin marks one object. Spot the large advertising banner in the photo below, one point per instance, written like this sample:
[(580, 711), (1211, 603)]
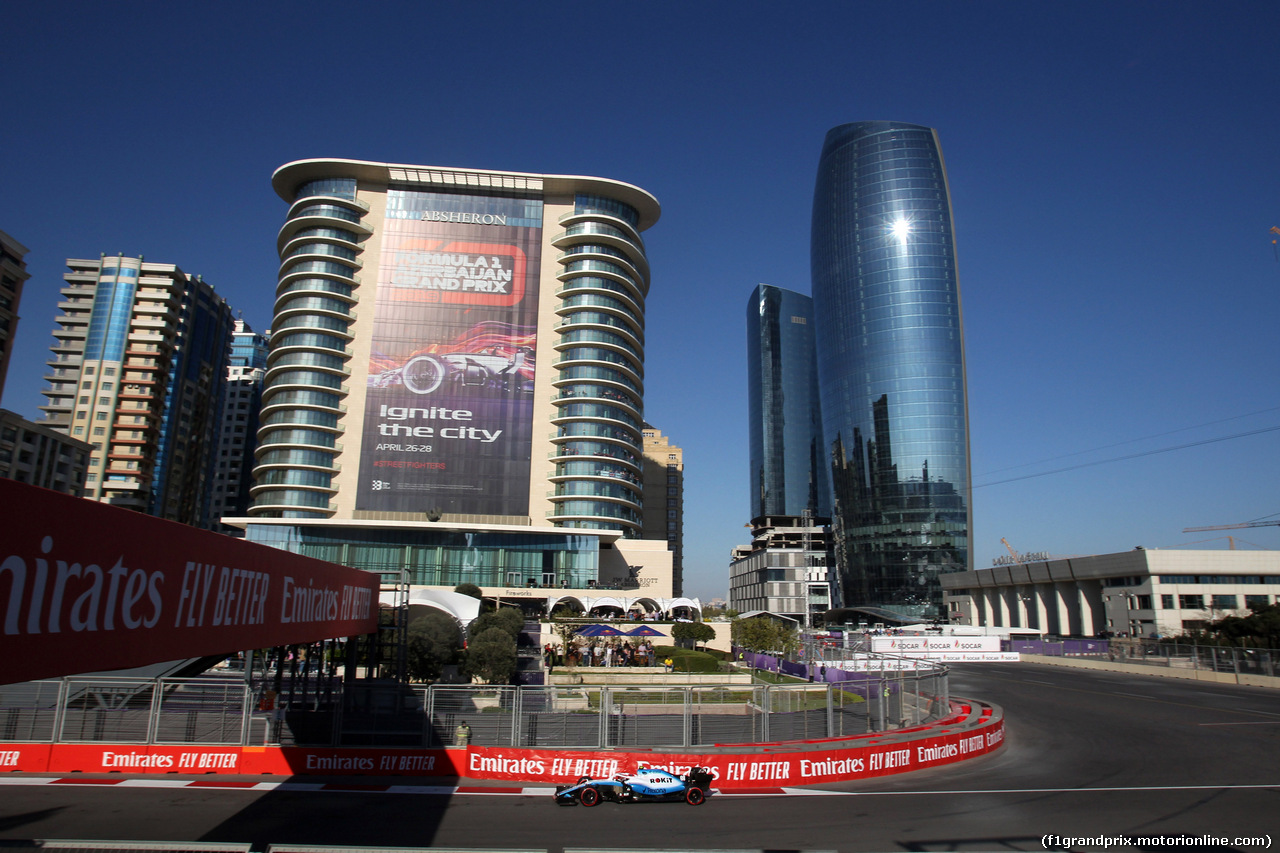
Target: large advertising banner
[(449, 412), (87, 587), (822, 762)]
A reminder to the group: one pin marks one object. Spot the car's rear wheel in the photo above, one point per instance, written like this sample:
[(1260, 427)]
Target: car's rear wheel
[(695, 796), (589, 797)]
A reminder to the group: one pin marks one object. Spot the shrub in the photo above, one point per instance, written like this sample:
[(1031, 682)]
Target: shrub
[(687, 660)]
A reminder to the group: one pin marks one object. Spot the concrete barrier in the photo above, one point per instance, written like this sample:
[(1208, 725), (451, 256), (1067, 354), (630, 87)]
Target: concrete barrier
[(1156, 671)]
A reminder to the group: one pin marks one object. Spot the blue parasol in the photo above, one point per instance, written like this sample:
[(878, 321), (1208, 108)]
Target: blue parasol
[(598, 631)]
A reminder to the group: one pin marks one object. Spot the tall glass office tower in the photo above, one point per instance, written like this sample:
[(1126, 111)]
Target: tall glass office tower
[(891, 365), (788, 462)]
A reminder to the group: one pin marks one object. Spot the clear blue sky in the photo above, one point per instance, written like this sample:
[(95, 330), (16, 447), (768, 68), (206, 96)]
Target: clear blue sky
[(1114, 172)]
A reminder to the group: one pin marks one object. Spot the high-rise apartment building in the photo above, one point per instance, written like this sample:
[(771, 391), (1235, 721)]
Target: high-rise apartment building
[(789, 465), (35, 454), (664, 499), (455, 384), (238, 434), (13, 273), (137, 370), (891, 367)]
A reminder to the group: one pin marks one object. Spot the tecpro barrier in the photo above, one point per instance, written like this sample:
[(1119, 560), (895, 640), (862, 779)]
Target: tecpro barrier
[(968, 734)]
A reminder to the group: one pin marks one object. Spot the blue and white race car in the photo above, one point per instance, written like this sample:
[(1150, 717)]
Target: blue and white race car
[(645, 785)]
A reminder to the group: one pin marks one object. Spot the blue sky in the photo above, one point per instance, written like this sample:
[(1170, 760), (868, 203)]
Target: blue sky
[(1114, 172)]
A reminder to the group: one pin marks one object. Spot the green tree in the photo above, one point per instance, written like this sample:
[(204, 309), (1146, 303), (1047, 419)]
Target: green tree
[(509, 619), (491, 656), (469, 589), (1260, 628), (762, 634), (434, 643), (697, 632)]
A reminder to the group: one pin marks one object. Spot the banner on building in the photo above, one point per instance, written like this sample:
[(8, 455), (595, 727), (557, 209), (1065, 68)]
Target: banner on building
[(448, 421), (86, 587)]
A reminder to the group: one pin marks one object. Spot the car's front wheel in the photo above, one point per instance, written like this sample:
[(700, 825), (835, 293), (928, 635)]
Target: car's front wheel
[(695, 796), (589, 797)]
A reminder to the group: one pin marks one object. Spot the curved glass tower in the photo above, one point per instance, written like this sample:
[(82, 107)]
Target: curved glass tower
[(788, 463), (891, 365)]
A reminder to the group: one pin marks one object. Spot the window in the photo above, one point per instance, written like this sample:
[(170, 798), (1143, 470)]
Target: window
[(88, 371), (100, 416), (1166, 602), (86, 385), (99, 430), (79, 431), (108, 371), (1191, 602), (84, 401), (1226, 602), (1256, 600)]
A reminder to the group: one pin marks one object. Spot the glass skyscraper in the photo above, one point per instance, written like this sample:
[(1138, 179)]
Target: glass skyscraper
[(788, 462), (891, 365)]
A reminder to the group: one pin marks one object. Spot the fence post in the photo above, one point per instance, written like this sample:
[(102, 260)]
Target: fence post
[(60, 711), (246, 703), (688, 716), (768, 712), (153, 717), (605, 707), (517, 714), (831, 711)]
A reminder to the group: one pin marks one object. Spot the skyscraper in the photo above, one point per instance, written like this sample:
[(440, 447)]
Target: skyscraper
[(664, 499), (891, 365), (785, 570), (13, 273), (238, 435), (788, 461), (137, 370)]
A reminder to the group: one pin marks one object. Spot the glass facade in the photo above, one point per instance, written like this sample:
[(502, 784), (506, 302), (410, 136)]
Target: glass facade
[(788, 462), (447, 558), (891, 365)]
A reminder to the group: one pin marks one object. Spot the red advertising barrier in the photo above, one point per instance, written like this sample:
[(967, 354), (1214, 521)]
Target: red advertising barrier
[(862, 758), (87, 587)]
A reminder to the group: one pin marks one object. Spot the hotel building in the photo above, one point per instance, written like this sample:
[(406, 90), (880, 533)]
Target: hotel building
[(454, 391)]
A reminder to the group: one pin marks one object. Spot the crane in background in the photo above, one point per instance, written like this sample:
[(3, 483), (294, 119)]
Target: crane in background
[(1247, 524), (1012, 553)]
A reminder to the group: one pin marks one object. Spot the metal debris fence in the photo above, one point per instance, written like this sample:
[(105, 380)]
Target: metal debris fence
[(229, 711)]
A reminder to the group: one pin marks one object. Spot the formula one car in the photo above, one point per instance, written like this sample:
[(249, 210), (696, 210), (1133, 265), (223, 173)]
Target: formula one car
[(645, 785)]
